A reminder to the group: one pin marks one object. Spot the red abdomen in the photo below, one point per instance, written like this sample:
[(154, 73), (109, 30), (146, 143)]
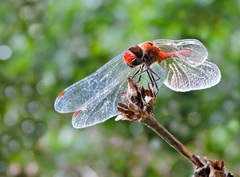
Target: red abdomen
[(163, 55)]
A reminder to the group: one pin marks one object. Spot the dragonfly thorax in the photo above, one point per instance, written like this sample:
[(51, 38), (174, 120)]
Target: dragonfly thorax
[(144, 53)]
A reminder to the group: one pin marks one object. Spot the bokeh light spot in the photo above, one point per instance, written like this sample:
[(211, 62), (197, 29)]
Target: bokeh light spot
[(35, 31), (11, 118), (11, 92), (41, 87), (34, 107), (3, 166), (5, 52), (14, 145), (5, 138), (173, 106), (40, 129), (31, 169), (28, 126), (27, 13), (14, 169), (155, 144), (65, 136), (194, 118), (18, 41)]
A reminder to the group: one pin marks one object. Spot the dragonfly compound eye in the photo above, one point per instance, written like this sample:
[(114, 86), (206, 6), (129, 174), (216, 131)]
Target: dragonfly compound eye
[(136, 50), (131, 59), (133, 56)]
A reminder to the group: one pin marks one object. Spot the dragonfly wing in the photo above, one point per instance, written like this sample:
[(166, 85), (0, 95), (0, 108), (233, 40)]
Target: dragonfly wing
[(75, 96), (198, 51), (104, 104), (183, 77)]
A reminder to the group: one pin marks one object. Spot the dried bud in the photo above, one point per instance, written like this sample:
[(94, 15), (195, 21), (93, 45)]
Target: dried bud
[(138, 102), (212, 169)]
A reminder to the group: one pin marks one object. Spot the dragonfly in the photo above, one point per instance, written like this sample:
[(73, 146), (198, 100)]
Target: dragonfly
[(178, 64)]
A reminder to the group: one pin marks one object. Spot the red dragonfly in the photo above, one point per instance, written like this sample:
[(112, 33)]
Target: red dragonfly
[(179, 64)]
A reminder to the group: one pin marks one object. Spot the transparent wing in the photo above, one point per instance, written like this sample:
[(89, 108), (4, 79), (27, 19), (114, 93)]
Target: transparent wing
[(77, 95), (183, 77), (198, 51), (103, 105)]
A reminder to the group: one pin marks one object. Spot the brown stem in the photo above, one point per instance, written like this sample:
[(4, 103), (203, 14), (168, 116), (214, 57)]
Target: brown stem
[(151, 122)]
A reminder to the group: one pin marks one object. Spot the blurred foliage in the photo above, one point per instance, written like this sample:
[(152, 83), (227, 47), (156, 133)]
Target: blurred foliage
[(47, 45)]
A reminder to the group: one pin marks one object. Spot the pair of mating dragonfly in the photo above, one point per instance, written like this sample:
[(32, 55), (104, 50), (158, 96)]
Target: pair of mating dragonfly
[(180, 64)]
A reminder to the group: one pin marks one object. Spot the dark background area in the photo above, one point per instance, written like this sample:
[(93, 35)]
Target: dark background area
[(45, 46)]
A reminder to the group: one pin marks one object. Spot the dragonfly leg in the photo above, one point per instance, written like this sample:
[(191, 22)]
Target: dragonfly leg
[(151, 74), (135, 74), (139, 78), (158, 77), (155, 82), (139, 73), (150, 77)]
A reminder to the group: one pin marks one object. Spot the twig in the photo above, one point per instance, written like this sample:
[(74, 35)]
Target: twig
[(151, 122)]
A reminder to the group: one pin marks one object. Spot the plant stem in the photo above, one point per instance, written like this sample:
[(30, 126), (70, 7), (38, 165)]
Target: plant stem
[(151, 122)]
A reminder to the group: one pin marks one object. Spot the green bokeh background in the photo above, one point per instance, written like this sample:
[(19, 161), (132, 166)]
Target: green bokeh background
[(54, 43)]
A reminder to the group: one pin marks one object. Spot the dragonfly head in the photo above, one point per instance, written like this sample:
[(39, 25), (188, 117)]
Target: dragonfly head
[(133, 56)]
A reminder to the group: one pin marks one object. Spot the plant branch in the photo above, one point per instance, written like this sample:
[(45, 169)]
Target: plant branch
[(151, 122)]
